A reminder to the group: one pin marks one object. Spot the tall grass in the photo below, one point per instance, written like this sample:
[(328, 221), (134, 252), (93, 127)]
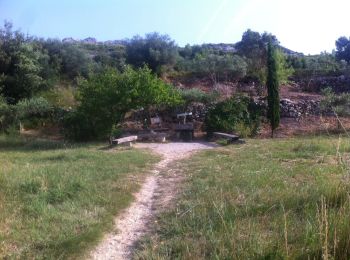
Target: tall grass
[(268, 199), (56, 199)]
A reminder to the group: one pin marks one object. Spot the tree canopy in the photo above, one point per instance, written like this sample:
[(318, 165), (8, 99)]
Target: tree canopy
[(154, 50), (106, 97), (343, 48)]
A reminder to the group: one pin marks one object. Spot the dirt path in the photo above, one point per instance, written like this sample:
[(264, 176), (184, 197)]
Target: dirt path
[(155, 194)]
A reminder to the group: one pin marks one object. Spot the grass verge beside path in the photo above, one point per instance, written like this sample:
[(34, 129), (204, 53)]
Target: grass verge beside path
[(268, 199), (56, 200)]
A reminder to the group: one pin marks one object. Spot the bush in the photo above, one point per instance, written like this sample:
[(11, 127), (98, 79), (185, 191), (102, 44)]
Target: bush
[(197, 95), (339, 104), (7, 116), (77, 126), (106, 97), (34, 112), (61, 96), (116, 131), (238, 114)]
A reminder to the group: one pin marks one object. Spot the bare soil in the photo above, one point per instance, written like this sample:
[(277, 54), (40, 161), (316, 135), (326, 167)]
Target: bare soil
[(311, 125), (155, 195)]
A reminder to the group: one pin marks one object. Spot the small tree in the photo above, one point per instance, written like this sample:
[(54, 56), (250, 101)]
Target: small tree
[(105, 98), (273, 88)]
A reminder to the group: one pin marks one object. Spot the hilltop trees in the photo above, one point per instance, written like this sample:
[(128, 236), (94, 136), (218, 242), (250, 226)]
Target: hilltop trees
[(156, 51), (273, 88), (343, 49), (253, 47), (20, 65), (217, 66)]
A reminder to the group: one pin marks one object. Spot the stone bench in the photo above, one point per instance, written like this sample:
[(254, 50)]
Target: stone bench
[(125, 140), (229, 137)]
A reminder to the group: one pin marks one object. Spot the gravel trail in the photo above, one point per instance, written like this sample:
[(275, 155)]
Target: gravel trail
[(155, 194)]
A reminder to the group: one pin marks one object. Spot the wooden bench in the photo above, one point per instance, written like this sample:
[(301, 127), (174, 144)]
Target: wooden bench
[(125, 140), (229, 137)]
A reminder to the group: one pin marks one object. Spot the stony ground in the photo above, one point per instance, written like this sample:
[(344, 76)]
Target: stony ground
[(155, 194)]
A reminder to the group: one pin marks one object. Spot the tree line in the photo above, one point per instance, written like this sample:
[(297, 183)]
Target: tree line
[(49, 77)]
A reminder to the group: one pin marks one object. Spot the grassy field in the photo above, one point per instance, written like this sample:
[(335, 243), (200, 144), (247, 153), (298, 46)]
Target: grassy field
[(267, 199), (56, 200)]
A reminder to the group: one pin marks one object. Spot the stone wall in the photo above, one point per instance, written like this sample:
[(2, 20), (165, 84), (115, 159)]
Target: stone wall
[(294, 109)]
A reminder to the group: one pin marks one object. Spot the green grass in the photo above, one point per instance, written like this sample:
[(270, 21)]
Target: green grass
[(267, 199), (56, 200)]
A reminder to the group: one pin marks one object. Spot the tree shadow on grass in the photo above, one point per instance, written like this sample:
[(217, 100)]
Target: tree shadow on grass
[(23, 144)]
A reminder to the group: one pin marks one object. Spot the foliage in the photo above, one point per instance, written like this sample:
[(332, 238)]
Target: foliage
[(20, 65), (253, 47), (35, 112), (62, 96), (217, 66), (7, 115), (343, 49), (34, 108), (339, 104), (155, 50), (106, 97), (284, 70), (197, 95), (273, 99), (233, 115), (58, 199), (324, 64)]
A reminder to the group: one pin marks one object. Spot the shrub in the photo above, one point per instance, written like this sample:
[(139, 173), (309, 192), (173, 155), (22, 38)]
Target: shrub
[(339, 104), (116, 131), (34, 112), (7, 116), (197, 95), (237, 114), (106, 97), (77, 126), (60, 96)]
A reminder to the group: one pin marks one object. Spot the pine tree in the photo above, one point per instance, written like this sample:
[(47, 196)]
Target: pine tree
[(273, 89)]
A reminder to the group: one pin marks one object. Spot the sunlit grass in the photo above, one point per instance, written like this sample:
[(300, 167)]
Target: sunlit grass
[(57, 199), (267, 199)]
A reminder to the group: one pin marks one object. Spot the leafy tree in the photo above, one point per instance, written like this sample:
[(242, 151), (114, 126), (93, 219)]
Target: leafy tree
[(284, 69), (155, 50), (34, 107), (20, 65), (273, 88), (215, 65), (69, 60), (343, 48), (197, 95), (106, 97), (110, 56), (253, 47)]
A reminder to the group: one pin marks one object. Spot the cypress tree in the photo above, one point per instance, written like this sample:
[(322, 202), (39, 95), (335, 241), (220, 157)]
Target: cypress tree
[(273, 98)]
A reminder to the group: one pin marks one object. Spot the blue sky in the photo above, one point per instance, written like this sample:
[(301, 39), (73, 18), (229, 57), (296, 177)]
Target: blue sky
[(308, 26)]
